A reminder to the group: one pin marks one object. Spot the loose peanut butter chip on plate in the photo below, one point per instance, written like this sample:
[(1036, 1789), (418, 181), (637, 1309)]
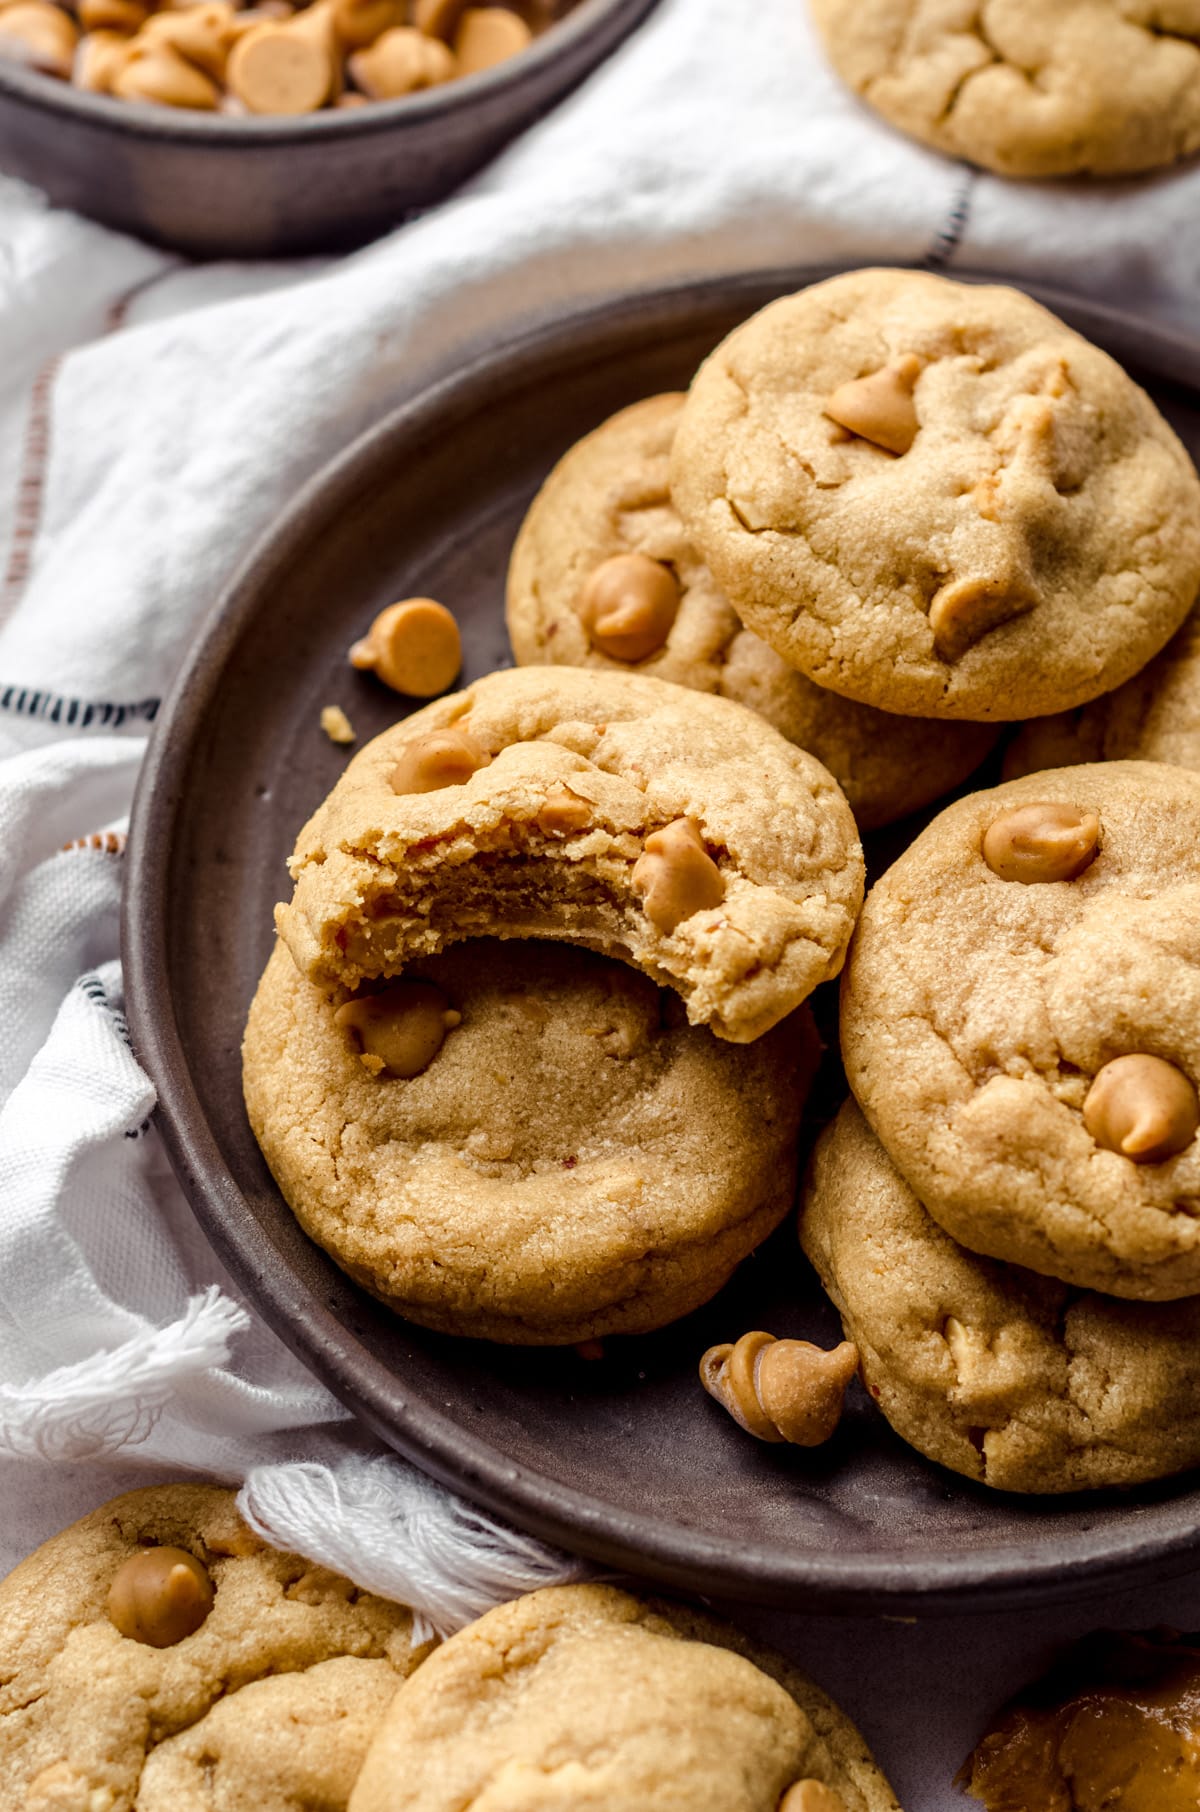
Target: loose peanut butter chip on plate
[(159, 1596), (675, 876), (400, 1031), (564, 813), (1046, 840), (811, 1796), (414, 646), (629, 605), (488, 35), (780, 1390), (966, 610), (277, 70), (880, 406), (1142, 1107), (439, 758)]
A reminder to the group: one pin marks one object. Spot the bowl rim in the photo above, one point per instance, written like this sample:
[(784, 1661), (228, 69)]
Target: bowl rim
[(1045, 1569), (177, 125)]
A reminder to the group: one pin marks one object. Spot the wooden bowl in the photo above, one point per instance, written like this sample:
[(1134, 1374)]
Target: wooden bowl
[(216, 186)]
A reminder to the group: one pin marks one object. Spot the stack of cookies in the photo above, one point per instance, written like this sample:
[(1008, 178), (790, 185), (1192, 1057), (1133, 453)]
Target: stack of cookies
[(159, 1655), (530, 1056), (892, 514)]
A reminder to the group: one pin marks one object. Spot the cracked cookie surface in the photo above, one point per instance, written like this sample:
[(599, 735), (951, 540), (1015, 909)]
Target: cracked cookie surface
[(579, 770), (575, 1160), (977, 1012), (610, 496), (583, 1696), (1011, 1378), (270, 1703), (1079, 87), (1034, 546), (1155, 716)]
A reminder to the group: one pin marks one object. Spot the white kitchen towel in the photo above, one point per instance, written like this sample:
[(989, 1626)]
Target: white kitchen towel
[(154, 418)]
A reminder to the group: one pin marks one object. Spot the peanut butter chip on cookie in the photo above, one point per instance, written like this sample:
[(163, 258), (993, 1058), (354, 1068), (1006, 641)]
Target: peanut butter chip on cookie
[(159, 1596), (564, 813), (400, 1031), (811, 1796), (1142, 1107), (413, 646), (966, 610), (676, 876), (1044, 841), (629, 605), (780, 1390), (880, 407), (437, 759)]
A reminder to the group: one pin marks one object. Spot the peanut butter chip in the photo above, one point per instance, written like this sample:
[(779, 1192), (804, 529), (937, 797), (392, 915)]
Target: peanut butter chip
[(880, 407), (202, 34), (966, 610), (439, 758), (676, 877), (437, 18), (357, 23), (563, 814), (99, 57), (811, 1796), (629, 605), (112, 15), (39, 34), (284, 69), (413, 646), (157, 72), (402, 1029), (488, 35), (1045, 841), (399, 63), (780, 1390), (1142, 1107), (159, 1596)]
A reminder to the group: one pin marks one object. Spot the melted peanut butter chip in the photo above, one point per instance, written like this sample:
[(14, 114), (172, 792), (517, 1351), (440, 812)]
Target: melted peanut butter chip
[(966, 610), (564, 813), (39, 34), (780, 1390), (439, 758), (1142, 1107), (676, 877), (880, 407), (400, 1031), (1044, 841), (159, 1596), (401, 62), (629, 605), (811, 1796), (488, 35), (413, 646)]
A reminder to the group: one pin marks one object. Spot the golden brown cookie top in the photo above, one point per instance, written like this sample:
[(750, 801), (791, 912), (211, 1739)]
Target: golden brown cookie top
[(1080, 87), (114, 1669), (601, 525), (1019, 1381), (1037, 542), (992, 1007), (582, 1695), (534, 825)]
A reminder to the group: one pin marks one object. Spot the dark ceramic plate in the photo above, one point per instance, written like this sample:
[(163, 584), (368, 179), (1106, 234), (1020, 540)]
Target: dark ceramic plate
[(624, 1460), (215, 186)]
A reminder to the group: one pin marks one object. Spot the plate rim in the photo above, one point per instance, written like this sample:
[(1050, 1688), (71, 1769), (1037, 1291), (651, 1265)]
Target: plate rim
[(1043, 1570)]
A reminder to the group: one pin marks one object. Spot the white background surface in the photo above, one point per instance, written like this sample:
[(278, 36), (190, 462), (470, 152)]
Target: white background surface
[(153, 419)]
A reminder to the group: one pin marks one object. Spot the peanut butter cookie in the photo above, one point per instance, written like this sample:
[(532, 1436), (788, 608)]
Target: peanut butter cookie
[(677, 831), (158, 1656), (1079, 87), (1155, 716), (582, 1696), (1021, 1024), (1013, 1379), (605, 515), (524, 1142), (936, 498)]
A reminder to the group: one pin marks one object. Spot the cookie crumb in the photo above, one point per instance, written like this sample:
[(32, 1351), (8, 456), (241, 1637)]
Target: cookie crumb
[(336, 724)]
